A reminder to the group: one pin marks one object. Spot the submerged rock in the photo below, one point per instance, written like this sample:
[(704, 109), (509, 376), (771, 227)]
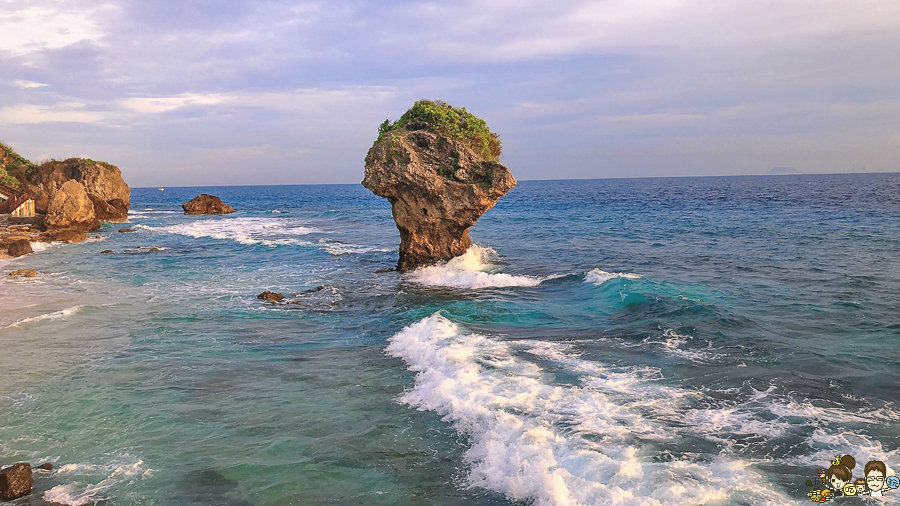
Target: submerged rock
[(126, 230), (19, 247), (107, 252), (47, 466), (28, 273), (271, 296), (71, 208), (206, 204), (438, 168), (15, 481)]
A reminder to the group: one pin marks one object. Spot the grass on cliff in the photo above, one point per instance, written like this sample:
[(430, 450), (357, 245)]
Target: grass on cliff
[(11, 165), (454, 122)]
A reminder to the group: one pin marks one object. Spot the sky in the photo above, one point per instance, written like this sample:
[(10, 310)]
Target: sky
[(230, 92)]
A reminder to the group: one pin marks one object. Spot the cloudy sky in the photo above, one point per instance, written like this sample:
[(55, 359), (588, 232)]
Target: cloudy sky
[(220, 92)]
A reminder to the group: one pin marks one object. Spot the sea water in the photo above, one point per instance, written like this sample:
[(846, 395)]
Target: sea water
[(643, 341)]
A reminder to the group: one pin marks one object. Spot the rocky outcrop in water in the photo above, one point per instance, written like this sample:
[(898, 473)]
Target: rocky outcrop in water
[(206, 204), (19, 248), (28, 273), (16, 481), (439, 178), (271, 296)]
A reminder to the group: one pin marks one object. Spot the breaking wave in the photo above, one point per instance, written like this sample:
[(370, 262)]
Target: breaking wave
[(473, 269), (563, 444)]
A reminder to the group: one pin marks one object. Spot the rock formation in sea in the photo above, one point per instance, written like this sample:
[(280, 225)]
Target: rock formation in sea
[(102, 183), (437, 165), (19, 247), (70, 196), (206, 204), (15, 481)]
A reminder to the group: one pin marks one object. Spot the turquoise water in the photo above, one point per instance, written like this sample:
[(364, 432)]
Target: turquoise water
[(653, 341)]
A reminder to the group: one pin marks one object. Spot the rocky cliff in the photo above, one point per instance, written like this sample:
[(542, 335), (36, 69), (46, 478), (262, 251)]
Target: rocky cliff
[(102, 182), (438, 167)]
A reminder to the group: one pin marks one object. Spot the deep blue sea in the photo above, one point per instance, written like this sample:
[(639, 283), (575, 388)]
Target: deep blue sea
[(636, 341)]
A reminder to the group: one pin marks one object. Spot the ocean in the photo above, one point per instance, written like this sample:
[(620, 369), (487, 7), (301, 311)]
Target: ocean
[(661, 341)]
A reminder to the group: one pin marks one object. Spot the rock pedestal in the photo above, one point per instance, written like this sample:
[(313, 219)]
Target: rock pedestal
[(437, 186)]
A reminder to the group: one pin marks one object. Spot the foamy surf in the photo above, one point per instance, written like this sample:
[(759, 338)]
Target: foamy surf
[(581, 444), (473, 269), (598, 277), (246, 231), (79, 493), (63, 313)]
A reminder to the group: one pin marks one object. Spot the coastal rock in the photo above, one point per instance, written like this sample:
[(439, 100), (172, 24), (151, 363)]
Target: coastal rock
[(107, 252), (438, 182), (271, 296), (102, 182), (64, 235), (28, 273), (71, 208), (113, 210), (15, 481), (19, 247), (206, 204), (47, 466), (125, 230)]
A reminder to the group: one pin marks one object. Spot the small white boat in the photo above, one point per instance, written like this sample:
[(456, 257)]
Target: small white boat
[(161, 189)]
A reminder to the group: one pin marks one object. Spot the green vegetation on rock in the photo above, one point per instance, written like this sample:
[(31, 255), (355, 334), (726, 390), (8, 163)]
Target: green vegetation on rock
[(456, 123), (13, 164)]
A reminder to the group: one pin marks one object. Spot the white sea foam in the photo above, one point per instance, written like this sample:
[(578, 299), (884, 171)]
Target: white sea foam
[(49, 316), (246, 231), (598, 277), (561, 444), (473, 269), (81, 493)]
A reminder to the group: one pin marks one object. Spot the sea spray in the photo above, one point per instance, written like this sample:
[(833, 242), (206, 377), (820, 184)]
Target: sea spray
[(559, 444)]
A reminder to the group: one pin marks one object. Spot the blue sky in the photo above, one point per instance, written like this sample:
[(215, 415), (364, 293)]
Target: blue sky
[(203, 92)]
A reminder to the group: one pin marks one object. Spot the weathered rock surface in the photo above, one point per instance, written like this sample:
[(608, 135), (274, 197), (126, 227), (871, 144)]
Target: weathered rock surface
[(271, 296), (64, 235), (438, 188), (102, 182), (206, 204), (28, 273), (71, 208), (15, 481), (125, 230), (19, 247)]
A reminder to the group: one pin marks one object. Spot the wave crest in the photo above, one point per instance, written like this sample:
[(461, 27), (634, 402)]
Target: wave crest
[(472, 270)]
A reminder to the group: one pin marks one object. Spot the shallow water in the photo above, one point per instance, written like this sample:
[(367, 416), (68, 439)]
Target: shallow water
[(653, 341)]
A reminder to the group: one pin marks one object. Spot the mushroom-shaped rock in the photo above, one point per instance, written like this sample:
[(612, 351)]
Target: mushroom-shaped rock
[(15, 481), (438, 167), (70, 208), (206, 204)]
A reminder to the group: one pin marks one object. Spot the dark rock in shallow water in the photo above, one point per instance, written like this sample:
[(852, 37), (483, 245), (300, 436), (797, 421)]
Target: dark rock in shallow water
[(382, 271), (107, 252), (15, 481), (316, 289), (270, 296), (126, 230), (28, 273), (206, 204), (66, 235), (19, 247), (46, 466)]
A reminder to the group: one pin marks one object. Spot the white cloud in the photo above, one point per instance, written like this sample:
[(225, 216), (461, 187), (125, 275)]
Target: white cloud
[(29, 26), (29, 84), (62, 113), (164, 104)]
